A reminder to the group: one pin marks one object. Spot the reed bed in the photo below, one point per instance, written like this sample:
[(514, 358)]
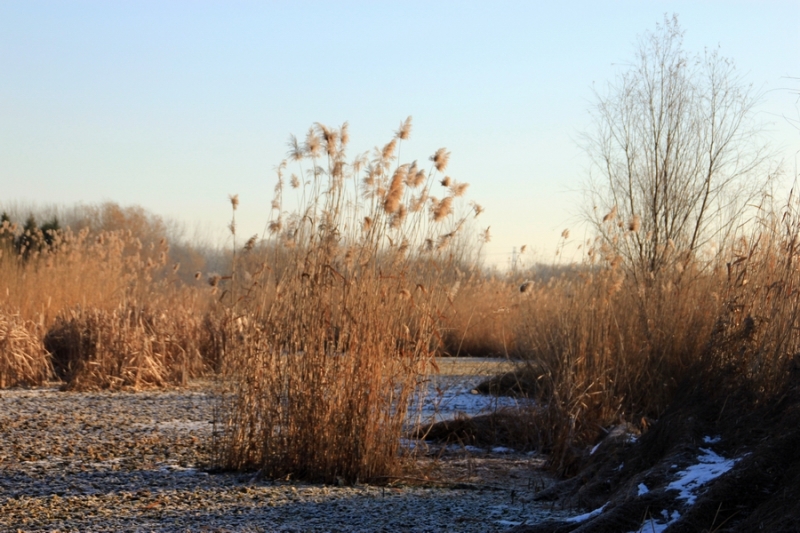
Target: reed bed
[(332, 335), (23, 359), (321, 329), (91, 294), (127, 348), (606, 346)]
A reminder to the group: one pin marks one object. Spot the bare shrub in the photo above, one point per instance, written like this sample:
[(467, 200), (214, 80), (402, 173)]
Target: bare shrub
[(675, 152)]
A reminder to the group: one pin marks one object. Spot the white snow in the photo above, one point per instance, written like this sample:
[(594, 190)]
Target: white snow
[(447, 397), (712, 440), (652, 525), (710, 467), (594, 448), (502, 449), (587, 516), (643, 489)]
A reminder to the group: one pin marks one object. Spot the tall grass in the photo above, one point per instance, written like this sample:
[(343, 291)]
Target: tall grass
[(91, 296), (608, 347), (341, 322), (23, 360)]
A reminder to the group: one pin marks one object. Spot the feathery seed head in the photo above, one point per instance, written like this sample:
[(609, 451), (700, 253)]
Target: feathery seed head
[(338, 169), (611, 215), (419, 178), (395, 194), (446, 181), (440, 159), (387, 154), (487, 237), (405, 129), (565, 234), (275, 226), (251, 243), (313, 144), (459, 189), (234, 201), (294, 181), (403, 246), (442, 209), (295, 151)]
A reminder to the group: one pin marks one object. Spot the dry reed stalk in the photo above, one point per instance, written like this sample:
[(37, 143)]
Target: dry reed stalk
[(323, 356), (23, 359), (126, 348)]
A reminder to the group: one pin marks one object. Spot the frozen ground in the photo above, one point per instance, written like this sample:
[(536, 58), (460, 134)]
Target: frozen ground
[(447, 397), (133, 462)]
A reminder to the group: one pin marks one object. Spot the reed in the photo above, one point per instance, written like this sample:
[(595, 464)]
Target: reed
[(340, 322), (23, 359)]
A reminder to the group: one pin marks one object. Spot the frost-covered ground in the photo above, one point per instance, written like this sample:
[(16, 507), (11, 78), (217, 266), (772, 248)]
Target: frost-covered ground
[(125, 461)]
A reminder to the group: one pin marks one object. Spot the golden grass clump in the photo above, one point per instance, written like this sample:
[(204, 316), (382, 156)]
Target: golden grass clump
[(23, 359), (328, 342), (126, 348)]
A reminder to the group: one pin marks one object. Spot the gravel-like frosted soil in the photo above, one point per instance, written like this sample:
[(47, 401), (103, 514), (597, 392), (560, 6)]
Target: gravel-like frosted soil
[(134, 462)]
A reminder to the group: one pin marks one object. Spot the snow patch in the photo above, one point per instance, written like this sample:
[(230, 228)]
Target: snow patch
[(710, 467), (587, 516), (502, 449), (643, 489), (652, 525), (508, 523), (447, 397)]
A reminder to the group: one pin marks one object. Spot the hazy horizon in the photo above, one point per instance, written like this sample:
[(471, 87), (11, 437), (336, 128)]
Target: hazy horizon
[(174, 105)]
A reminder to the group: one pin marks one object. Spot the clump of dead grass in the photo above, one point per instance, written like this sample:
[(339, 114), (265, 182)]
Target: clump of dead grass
[(23, 359), (612, 347), (326, 343), (129, 348)]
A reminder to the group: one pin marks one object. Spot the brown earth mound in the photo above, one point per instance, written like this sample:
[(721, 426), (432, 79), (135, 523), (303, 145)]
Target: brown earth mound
[(527, 381), (502, 428)]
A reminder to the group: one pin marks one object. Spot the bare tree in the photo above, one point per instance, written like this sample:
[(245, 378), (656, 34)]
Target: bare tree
[(674, 153)]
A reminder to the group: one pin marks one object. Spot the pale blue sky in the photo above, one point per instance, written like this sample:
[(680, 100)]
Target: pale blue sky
[(175, 105)]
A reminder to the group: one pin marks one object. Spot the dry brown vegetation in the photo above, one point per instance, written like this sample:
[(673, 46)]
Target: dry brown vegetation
[(321, 332), (105, 301), (341, 318)]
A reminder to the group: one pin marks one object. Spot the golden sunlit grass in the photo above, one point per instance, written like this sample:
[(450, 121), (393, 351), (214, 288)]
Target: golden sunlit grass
[(125, 348), (339, 323), (321, 332), (91, 291), (23, 360)]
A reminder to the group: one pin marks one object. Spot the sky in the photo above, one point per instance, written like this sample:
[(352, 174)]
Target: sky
[(174, 106)]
